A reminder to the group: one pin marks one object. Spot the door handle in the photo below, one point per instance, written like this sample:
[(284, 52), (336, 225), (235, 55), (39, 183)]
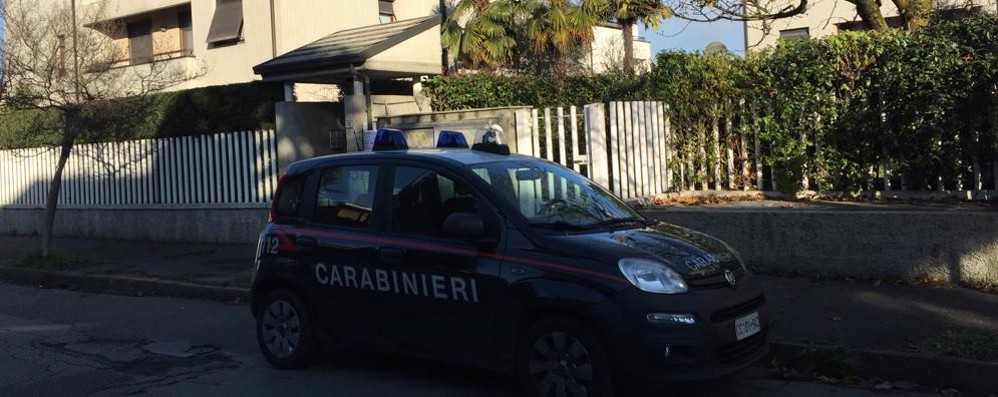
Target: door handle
[(391, 255), (306, 242)]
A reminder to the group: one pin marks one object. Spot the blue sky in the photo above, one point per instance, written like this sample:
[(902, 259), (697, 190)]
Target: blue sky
[(691, 36)]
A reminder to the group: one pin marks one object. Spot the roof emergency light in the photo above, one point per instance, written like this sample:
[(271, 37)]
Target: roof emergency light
[(453, 139), (491, 143), (390, 139)]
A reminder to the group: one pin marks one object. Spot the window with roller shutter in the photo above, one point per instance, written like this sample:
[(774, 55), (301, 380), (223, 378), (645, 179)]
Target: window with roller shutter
[(227, 24)]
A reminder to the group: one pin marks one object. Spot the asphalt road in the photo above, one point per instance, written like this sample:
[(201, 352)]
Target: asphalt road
[(65, 343)]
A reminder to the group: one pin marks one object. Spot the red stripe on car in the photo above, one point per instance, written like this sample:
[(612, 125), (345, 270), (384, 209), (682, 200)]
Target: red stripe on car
[(440, 248)]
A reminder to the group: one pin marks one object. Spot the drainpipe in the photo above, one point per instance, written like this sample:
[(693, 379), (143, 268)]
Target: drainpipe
[(273, 31)]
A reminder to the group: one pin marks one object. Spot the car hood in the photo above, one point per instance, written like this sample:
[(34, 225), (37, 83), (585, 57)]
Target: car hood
[(690, 253)]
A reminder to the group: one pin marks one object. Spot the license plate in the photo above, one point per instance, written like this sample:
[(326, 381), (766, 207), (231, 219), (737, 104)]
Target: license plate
[(747, 326)]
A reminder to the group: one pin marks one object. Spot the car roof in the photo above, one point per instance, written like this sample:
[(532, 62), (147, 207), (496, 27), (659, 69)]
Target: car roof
[(452, 155)]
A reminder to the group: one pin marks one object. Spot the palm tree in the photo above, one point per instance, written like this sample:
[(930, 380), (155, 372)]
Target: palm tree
[(502, 33), (480, 33), (558, 30), (628, 12)]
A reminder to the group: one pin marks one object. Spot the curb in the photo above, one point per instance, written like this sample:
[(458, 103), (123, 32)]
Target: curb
[(137, 286), (942, 372)]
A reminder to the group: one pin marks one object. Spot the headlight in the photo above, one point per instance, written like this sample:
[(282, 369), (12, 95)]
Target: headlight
[(651, 276)]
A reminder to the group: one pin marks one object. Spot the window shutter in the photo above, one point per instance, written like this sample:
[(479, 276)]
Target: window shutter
[(386, 7), (227, 24)]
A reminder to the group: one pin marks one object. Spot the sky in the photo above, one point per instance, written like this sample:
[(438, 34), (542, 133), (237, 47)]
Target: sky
[(692, 36)]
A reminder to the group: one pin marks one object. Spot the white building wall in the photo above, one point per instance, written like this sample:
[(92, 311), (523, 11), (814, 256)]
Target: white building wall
[(822, 16), (607, 50)]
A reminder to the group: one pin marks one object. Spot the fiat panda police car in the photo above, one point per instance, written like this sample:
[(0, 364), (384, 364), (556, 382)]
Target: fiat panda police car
[(503, 262)]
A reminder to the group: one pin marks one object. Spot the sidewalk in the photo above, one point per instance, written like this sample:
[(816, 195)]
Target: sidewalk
[(884, 331), (224, 265)]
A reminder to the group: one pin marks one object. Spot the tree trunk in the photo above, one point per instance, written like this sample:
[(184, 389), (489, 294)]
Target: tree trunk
[(627, 27), (914, 13), (52, 198), (869, 11)]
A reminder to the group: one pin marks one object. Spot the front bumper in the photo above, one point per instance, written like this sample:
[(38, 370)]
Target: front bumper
[(704, 350)]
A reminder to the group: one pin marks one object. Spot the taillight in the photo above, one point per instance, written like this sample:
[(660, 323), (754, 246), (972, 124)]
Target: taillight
[(273, 200)]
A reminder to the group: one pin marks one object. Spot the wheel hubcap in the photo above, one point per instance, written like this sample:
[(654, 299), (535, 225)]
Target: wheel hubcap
[(560, 366), (281, 328)]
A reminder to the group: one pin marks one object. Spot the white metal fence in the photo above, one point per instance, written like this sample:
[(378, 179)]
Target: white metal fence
[(624, 147), (230, 168)]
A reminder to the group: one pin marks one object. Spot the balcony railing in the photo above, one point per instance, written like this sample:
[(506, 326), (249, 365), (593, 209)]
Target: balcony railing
[(159, 56)]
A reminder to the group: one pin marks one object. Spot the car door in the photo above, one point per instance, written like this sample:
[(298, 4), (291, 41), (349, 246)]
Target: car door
[(342, 242), (448, 287)]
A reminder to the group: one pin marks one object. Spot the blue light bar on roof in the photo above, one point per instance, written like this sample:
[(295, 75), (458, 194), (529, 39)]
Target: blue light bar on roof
[(390, 139), (453, 139)]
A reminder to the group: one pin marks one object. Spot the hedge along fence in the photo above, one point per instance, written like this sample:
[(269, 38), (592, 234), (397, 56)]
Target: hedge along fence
[(852, 112), (193, 112)]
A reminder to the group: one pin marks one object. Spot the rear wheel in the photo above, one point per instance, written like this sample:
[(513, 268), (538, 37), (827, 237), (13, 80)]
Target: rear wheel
[(561, 357), (284, 331)]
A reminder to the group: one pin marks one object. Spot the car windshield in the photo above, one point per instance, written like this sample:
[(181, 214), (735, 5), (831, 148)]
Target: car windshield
[(552, 197)]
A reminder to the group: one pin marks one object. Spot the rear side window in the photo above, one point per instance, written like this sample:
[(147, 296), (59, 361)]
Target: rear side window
[(346, 196), (289, 197)]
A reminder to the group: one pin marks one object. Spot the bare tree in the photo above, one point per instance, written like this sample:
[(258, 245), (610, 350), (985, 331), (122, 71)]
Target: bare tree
[(72, 64), (914, 14)]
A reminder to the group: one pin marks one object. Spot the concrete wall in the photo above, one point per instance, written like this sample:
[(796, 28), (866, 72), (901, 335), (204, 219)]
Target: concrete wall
[(425, 127), (308, 129), (217, 225), (943, 245)]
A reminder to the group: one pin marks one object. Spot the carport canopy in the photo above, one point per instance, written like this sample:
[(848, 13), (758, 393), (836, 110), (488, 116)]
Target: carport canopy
[(408, 48)]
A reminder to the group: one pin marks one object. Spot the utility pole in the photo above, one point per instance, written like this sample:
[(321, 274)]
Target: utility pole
[(443, 53)]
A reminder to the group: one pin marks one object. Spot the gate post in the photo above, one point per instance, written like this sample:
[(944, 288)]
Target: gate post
[(597, 145)]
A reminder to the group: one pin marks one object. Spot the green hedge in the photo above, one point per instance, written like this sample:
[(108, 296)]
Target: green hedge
[(841, 110), (197, 111), (486, 90)]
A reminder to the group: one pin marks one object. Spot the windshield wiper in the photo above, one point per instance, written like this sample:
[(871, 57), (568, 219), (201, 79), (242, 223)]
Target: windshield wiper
[(618, 221), (560, 226)]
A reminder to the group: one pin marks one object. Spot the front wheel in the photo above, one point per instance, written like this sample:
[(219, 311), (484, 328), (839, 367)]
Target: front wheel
[(561, 357), (284, 331)]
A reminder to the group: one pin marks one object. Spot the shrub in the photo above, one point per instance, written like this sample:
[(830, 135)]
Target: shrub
[(196, 111)]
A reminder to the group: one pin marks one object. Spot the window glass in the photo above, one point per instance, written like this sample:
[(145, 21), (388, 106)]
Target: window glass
[(289, 197), (186, 31), (422, 200), (140, 41), (551, 196), (386, 11), (346, 196)]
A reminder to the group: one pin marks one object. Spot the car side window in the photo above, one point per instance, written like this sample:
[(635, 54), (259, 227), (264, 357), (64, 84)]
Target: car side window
[(346, 196), (422, 199), (289, 197)]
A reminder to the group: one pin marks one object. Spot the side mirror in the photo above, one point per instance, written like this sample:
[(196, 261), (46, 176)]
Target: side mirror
[(463, 225)]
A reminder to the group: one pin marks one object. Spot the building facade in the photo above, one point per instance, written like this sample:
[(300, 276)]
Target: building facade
[(224, 39), (828, 17)]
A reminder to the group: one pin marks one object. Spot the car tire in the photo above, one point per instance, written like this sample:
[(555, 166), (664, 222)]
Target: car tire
[(284, 331), (563, 353)]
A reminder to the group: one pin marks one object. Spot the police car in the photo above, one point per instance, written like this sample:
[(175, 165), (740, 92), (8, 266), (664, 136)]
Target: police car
[(503, 262)]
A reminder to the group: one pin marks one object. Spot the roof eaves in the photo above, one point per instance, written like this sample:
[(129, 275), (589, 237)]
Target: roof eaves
[(284, 63)]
